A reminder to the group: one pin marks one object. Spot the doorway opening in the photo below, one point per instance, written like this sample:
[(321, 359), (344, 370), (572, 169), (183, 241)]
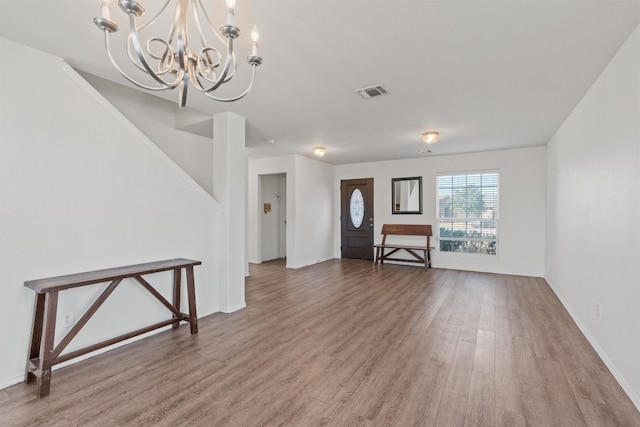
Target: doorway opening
[(273, 216)]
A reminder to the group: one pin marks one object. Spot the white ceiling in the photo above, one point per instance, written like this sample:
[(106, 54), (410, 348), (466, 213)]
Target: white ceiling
[(486, 74)]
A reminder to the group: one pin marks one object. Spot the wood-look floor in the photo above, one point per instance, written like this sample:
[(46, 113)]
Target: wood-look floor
[(344, 343)]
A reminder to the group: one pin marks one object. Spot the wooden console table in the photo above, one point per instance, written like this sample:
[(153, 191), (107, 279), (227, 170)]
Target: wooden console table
[(42, 353)]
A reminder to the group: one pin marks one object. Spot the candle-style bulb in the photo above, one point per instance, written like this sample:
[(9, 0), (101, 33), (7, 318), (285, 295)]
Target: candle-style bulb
[(254, 38), (230, 18), (106, 12)]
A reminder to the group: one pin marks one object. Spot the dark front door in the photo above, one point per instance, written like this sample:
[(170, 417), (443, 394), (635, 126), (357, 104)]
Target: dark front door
[(356, 218)]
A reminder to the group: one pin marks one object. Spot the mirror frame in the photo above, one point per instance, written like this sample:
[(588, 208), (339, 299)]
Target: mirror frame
[(395, 209)]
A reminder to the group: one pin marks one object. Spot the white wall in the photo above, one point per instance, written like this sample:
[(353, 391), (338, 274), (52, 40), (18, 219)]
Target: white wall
[(155, 117), (313, 207), (593, 215), (309, 235), (268, 166), (522, 204), (82, 189)]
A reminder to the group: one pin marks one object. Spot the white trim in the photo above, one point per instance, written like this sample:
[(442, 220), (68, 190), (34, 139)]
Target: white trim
[(9, 383), (295, 267), (440, 220), (469, 255), (603, 355), (75, 360), (94, 353), (228, 310), (468, 172)]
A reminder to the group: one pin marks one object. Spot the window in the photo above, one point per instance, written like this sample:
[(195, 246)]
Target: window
[(468, 213)]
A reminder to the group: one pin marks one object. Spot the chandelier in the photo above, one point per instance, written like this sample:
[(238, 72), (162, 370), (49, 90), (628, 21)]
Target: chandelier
[(174, 62)]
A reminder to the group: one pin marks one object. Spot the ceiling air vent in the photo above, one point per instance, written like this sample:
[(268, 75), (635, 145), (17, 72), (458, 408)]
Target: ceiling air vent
[(372, 91)]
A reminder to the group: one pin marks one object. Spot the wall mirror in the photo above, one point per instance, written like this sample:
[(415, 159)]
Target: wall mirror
[(406, 195)]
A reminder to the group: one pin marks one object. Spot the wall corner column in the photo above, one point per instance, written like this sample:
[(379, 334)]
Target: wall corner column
[(229, 176)]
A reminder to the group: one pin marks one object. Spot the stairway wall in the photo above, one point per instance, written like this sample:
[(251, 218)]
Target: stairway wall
[(81, 189)]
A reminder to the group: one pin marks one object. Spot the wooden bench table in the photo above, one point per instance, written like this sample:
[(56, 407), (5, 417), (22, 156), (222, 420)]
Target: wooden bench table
[(42, 353), (414, 250)]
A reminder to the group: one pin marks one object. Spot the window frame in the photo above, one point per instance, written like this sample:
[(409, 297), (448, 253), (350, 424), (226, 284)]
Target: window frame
[(495, 217)]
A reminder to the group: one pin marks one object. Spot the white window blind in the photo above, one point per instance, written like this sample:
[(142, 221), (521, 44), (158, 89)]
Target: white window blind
[(467, 212)]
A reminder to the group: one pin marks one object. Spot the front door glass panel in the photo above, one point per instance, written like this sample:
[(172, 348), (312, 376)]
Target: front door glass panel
[(356, 208)]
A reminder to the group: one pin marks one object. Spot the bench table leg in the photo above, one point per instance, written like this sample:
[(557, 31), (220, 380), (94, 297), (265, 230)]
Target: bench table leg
[(177, 275), (46, 330), (36, 336), (192, 300)]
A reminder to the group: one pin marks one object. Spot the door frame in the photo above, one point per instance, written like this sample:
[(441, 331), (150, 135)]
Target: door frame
[(279, 204), (363, 249)]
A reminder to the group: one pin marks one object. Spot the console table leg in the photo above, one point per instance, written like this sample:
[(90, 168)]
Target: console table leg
[(177, 276), (192, 300), (46, 346), (36, 336)]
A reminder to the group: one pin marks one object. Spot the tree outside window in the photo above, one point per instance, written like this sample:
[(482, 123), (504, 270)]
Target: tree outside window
[(467, 211)]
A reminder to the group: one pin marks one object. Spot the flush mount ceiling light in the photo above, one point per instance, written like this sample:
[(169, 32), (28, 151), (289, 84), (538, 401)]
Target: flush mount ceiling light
[(430, 137), (174, 62), (319, 151)]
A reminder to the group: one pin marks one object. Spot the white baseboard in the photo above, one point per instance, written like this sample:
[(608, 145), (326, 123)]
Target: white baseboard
[(635, 399), (9, 383), (228, 310), (14, 381)]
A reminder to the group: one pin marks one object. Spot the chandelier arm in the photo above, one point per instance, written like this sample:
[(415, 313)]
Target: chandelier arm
[(199, 8), (168, 53), (208, 20), (117, 67), (234, 67), (182, 90), (193, 76), (182, 37), (203, 68), (167, 56), (165, 61), (135, 41), (152, 20), (229, 68), (196, 16), (131, 56), (223, 76), (242, 95), (172, 28)]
